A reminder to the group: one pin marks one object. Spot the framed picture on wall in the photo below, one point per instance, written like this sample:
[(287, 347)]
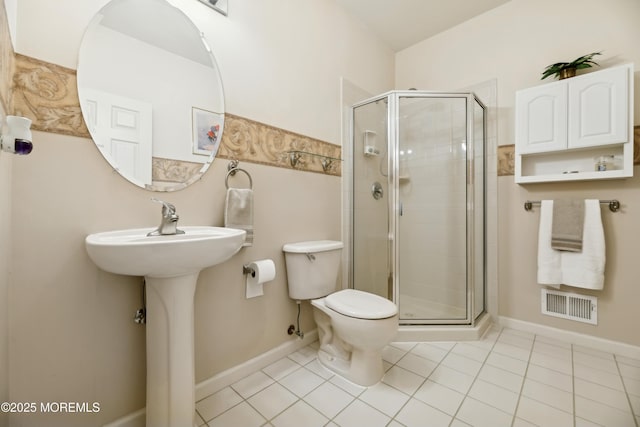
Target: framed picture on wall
[(207, 130)]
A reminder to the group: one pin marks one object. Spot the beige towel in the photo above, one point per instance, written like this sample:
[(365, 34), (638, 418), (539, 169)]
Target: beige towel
[(238, 212), (567, 225)]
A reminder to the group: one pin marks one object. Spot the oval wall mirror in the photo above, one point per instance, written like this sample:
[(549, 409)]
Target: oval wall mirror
[(150, 93)]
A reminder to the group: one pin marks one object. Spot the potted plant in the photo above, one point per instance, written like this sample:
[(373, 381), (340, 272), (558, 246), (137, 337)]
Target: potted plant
[(563, 70)]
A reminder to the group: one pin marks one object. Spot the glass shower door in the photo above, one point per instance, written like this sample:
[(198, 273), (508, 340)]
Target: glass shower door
[(432, 221), (370, 219), (417, 222)]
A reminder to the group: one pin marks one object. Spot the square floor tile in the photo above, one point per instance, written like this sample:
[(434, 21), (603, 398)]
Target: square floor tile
[(462, 364), (595, 362), (562, 365), (353, 389), (392, 354), (418, 414), (507, 363), (272, 400), (429, 351), (471, 351), (304, 355), (316, 367), (495, 396), (501, 378), (417, 365), (543, 415), (281, 368), (301, 382), (359, 413), (384, 398), (297, 415), (551, 396), (629, 371), (550, 377), (402, 379), (252, 384), (480, 414), (552, 350), (602, 414), (516, 340), (451, 378), (214, 405), (440, 397), (597, 376), (241, 415), (605, 395), (328, 399), (512, 351)]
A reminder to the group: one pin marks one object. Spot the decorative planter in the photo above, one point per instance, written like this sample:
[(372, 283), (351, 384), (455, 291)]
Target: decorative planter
[(566, 73)]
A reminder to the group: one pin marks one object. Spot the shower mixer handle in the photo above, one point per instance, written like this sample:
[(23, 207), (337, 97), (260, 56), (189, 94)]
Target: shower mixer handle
[(376, 190)]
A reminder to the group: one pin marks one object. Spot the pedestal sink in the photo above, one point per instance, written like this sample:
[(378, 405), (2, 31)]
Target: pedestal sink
[(170, 265)]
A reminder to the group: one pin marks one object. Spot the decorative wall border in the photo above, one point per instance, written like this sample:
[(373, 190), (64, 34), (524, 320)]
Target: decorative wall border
[(6, 60), (47, 94)]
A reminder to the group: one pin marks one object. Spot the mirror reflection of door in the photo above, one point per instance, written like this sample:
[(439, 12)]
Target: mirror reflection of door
[(138, 52), (121, 128)]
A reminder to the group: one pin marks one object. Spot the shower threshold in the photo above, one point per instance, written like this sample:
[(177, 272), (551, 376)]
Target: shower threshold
[(425, 333)]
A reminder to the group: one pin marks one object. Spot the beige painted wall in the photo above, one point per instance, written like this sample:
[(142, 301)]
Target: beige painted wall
[(6, 161), (71, 325), (5, 263), (513, 43)]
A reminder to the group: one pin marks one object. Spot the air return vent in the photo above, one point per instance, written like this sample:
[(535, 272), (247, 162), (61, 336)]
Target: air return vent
[(565, 305)]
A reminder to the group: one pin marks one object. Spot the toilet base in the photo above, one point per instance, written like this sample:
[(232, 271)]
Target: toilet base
[(365, 367)]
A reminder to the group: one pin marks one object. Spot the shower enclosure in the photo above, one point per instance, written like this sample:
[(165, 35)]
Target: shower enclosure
[(417, 181)]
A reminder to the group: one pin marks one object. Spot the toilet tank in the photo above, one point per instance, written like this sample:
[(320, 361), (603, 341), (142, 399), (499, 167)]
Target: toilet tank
[(312, 268)]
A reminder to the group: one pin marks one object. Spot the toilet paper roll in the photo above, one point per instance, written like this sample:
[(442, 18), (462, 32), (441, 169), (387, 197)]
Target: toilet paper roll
[(264, 270)]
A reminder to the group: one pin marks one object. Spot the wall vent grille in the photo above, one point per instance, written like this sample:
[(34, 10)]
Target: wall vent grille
[(582, 308)]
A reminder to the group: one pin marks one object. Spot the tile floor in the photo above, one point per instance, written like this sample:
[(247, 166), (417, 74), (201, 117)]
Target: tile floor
[(509, 378)]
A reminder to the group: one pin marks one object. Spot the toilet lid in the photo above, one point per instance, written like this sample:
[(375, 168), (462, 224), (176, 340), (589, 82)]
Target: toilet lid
[(363, 305)]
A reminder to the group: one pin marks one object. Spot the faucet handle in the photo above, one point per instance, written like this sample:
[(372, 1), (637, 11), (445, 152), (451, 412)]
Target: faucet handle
[(167, 208)]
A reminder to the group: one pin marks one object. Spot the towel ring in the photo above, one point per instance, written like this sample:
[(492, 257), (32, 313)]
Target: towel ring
[(233, 172)]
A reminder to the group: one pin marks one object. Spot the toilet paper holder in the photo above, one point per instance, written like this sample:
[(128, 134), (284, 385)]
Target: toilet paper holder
[(246, 269)]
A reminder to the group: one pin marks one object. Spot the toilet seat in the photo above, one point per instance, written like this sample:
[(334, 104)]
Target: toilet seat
[(361, 305)]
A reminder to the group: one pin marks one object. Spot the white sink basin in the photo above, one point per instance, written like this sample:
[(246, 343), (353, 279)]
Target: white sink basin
[(170, 265), (132, 252)]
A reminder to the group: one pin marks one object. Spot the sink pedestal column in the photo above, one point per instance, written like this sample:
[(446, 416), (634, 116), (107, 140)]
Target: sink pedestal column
[(170, 354)]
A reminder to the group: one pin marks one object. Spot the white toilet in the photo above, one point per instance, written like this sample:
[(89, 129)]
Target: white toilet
[(353, 326)]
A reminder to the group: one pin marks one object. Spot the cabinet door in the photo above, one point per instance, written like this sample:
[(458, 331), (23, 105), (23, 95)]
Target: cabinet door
[(541, 118), (598, 112)]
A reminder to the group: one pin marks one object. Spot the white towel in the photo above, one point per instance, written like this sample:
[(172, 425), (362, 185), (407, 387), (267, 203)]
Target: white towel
[(578, 269), (238, 212)]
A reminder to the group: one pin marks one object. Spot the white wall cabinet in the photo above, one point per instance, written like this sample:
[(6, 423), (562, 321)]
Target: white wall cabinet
[(563, 128)]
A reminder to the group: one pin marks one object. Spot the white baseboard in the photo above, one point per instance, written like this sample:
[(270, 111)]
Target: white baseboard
[(590, 341), (228, 377)]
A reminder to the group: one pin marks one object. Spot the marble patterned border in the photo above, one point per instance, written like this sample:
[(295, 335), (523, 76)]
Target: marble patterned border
[(6, 61), (47, 94)]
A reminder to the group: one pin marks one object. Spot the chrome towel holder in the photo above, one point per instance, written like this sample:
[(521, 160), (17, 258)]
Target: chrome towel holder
[(232, 168), (614, 205)]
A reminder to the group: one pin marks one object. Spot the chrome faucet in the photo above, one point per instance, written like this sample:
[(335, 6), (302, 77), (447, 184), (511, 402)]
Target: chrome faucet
[(169, 223)]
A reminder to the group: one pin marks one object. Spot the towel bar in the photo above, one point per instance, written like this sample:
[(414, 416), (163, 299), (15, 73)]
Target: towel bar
[(233, 171), (614, 205)]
